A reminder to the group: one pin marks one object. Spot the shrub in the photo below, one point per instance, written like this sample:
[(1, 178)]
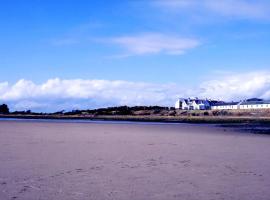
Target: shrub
[(206, 113), (4, 109)]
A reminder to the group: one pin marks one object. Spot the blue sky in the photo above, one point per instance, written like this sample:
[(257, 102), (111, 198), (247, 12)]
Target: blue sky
[(178, 45)]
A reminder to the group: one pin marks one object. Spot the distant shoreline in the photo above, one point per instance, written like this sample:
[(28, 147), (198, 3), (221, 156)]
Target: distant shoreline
[(244, 124), (147, 118)]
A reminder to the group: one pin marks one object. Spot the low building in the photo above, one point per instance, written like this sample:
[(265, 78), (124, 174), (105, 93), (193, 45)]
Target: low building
[(253, 103), (225, 106), (206, 104)]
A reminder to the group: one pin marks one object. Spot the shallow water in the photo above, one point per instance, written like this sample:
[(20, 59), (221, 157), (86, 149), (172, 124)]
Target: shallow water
[(48, 160)]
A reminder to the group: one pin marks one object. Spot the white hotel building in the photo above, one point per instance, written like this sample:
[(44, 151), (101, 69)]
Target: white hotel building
[(205, 104)]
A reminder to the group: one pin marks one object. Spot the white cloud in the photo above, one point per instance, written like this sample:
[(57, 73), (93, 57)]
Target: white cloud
[(154, 43), (238, 86), (243, 9), (240, 8), (57, 94)]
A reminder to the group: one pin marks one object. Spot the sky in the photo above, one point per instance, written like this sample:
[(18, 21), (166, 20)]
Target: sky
[(79, 54)]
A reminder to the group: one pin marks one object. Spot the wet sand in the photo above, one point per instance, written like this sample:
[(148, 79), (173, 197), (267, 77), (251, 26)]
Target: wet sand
[(128, 161)]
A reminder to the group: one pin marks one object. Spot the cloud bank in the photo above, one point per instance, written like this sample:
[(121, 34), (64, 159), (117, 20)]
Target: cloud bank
[(238, 86), (56, 94)]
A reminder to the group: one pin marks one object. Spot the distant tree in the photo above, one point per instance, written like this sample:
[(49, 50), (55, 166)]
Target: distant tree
[(206, 113), (4, 109), (60, 112)]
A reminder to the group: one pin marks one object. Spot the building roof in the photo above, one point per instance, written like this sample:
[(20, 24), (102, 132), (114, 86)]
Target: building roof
[(196, 100), (199, 101), (254, 102), (241, 103), (254, 99), (225, 103)]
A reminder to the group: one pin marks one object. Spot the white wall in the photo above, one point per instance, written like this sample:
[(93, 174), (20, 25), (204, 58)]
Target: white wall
[(257, 106), (195, 106), (235, 107), (225, 107), (177, 104)]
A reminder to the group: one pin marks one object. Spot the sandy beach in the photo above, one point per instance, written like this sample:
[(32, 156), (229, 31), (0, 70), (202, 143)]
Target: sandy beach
[(131, 161)]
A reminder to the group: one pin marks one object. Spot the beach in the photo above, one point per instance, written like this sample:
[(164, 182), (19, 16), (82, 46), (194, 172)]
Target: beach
[(137, 161)]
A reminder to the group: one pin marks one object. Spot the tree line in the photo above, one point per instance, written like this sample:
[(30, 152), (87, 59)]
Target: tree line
[(119, 110)]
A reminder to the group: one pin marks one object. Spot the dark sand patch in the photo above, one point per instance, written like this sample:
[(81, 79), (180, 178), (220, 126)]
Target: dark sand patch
[(256, 128)]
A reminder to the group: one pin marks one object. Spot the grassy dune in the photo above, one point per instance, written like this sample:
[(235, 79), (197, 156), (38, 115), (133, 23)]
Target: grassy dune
[(154, 114)]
